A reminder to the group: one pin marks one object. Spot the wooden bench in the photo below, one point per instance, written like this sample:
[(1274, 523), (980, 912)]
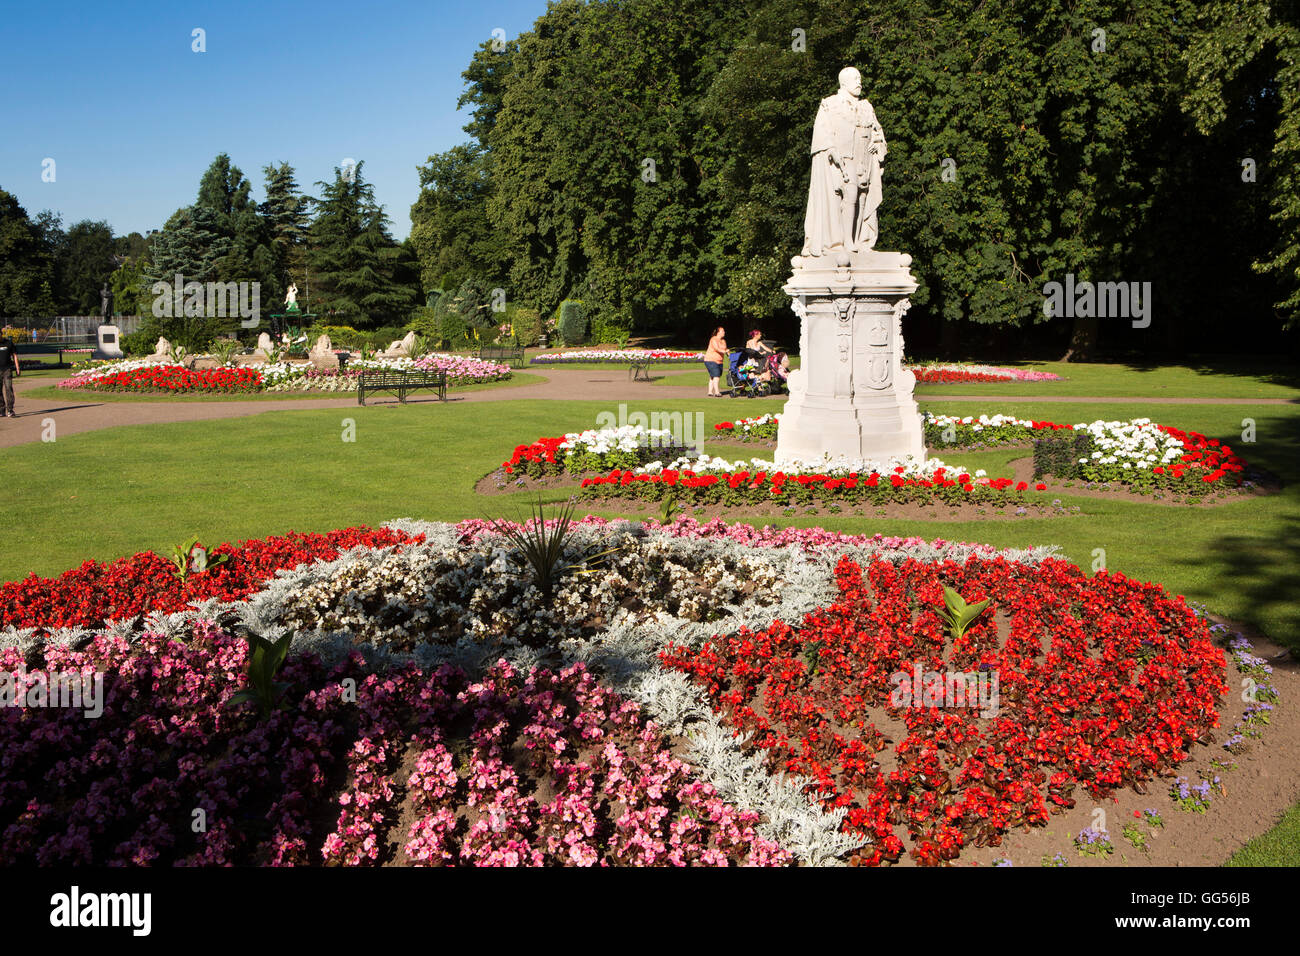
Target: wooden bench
[(399, 383), (513, 354), (639, 371)]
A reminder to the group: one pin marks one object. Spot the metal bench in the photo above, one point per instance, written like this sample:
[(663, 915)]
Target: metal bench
[(513, 354), (639, 371), (399, 383)]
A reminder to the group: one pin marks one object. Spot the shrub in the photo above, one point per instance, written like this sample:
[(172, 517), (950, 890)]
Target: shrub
[(571, 321), (1059, 454), (423, 321), (608, 331), (528, 326), (139, 343), (452, 331), (341, 336), (473, 303)]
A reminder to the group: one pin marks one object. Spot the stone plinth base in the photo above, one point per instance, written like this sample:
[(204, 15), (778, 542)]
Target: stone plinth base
[(851, 396)]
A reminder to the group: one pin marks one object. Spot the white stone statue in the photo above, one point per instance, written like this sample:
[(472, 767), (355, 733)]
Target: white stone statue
[(162, 352), (848, 148), (852, 397), (291, 297)]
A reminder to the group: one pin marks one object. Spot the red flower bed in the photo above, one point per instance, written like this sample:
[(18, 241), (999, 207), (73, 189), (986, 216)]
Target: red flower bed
[(539, 454), (172, 378), (1102, 682), (1217, 459), (745, 487), (96, 592), (947, 376)]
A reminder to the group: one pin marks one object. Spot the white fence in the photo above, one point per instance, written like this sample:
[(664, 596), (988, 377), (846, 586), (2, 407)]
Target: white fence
[(69, 328)]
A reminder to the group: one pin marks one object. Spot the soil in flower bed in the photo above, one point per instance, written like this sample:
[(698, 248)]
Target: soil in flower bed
[(1038, 505), (1258, 786), (1023, 470)]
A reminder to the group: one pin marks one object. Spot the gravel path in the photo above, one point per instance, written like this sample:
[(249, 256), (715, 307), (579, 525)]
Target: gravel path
[(77, 413)]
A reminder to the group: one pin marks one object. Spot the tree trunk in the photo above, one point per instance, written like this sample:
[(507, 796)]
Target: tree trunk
[(949, 338), (1083, 340)]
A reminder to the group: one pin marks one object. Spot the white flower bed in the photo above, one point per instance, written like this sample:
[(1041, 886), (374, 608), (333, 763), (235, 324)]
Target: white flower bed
[(1135, 444), (906, 467)]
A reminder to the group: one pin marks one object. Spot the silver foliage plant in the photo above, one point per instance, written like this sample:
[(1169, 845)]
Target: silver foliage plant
[(624, 653)]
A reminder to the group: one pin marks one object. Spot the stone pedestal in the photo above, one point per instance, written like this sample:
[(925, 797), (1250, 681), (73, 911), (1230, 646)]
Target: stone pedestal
[(851, 396), (108, 343)]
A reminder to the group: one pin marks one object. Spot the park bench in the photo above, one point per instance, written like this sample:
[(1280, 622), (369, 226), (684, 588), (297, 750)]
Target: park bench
[(399, 383), (639, 371), (513, 354)]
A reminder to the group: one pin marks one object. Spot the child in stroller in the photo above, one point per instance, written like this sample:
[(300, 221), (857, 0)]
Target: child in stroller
[(776, 372), (749, 374), (745, 371)]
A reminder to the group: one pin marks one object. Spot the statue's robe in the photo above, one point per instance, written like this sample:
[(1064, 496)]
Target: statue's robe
[(842, 213)]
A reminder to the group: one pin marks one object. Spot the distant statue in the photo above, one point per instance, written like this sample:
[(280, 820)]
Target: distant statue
[(848, 148), (106, 302), (291, 299)]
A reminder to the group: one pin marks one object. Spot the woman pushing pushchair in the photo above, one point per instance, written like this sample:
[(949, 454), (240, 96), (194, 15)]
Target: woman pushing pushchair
[(755, 369)]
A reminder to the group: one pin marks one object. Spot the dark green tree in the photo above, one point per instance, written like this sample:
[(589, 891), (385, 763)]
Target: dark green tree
[(285, 213), (25, 264), (87, 263), (358, 270)]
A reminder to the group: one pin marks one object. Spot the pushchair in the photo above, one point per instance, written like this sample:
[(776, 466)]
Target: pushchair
[(744, 371)]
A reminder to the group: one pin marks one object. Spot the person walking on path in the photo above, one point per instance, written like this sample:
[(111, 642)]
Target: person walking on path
[(714, 356), (9, 368)]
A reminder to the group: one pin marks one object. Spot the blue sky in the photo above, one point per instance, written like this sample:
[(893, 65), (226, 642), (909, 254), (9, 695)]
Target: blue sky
[(131, 115)]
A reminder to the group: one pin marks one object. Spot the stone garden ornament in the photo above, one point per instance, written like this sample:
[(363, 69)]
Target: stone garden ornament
[(851, 397)]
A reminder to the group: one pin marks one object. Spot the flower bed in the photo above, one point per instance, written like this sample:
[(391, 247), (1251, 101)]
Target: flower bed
[(435, 751), (136, 376), (941, 373), (745, 483), (627, 462), (1140, 454), (139, 376), (597, 449), (96, 592), (459, 369), (1101, 683), (552, 768), (655, 356)]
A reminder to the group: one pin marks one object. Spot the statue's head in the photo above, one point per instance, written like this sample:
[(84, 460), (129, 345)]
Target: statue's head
[(851, 80)]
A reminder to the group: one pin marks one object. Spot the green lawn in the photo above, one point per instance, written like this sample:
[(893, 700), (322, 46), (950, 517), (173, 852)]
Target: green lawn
[(1280, 846)]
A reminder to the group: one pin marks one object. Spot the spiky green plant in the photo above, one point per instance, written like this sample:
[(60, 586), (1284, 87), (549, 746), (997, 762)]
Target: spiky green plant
[(224, 350), (545, 553)]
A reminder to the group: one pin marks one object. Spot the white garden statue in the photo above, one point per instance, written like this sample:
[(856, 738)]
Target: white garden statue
[(851, 397), (848, 148)]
